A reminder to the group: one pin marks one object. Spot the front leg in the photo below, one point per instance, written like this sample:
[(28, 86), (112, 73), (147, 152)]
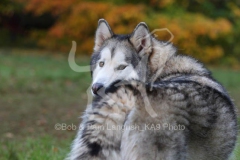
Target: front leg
[(156, 138), (99, 136), (145, 138)]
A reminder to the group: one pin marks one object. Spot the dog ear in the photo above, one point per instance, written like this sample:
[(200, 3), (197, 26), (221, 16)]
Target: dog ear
[(103, 33), (141, 39)]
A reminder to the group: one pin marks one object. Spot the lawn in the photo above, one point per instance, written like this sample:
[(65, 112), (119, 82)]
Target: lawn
[(38, 91)]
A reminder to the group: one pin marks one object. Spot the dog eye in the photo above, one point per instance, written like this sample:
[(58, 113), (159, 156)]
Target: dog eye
[(101, 64), (121, 67)]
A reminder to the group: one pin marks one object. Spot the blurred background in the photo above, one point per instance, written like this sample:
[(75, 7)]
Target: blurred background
[(37, 87)]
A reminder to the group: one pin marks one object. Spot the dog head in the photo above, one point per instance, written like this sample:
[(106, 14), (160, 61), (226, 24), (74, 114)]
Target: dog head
[(119, 57)]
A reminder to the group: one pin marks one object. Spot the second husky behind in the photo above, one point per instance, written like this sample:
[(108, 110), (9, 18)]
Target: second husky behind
[(182, 93)]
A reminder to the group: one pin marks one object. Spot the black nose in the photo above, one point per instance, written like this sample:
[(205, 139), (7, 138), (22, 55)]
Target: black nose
[(96, 87)]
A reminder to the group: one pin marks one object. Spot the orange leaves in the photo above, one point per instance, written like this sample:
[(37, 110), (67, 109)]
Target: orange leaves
[(194, 33), (188, 29), (80, 21), (165, 3), (39, 7), (57, 30), (211, 53), (123, 19)]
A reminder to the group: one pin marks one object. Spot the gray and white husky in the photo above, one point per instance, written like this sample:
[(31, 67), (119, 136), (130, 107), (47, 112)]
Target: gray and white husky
[(151, 103)]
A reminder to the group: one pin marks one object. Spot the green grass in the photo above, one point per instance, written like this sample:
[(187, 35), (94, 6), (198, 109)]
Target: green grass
[(43, 148), (37, 91), (236, 154), (230, 79)]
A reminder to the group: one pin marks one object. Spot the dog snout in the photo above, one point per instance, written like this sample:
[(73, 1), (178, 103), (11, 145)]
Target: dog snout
[(96, 87)]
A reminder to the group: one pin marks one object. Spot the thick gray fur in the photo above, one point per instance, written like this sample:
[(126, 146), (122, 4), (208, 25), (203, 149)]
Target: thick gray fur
[(181, 92)]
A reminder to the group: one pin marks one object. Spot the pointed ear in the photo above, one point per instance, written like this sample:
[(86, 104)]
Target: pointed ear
[(103, 32), (141, 39)]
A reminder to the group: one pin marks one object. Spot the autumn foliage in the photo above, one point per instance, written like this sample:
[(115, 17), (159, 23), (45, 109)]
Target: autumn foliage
[(201, 34)]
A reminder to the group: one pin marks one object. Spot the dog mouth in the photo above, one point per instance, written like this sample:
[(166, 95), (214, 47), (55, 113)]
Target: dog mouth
[(98, 89), (99, 93)]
